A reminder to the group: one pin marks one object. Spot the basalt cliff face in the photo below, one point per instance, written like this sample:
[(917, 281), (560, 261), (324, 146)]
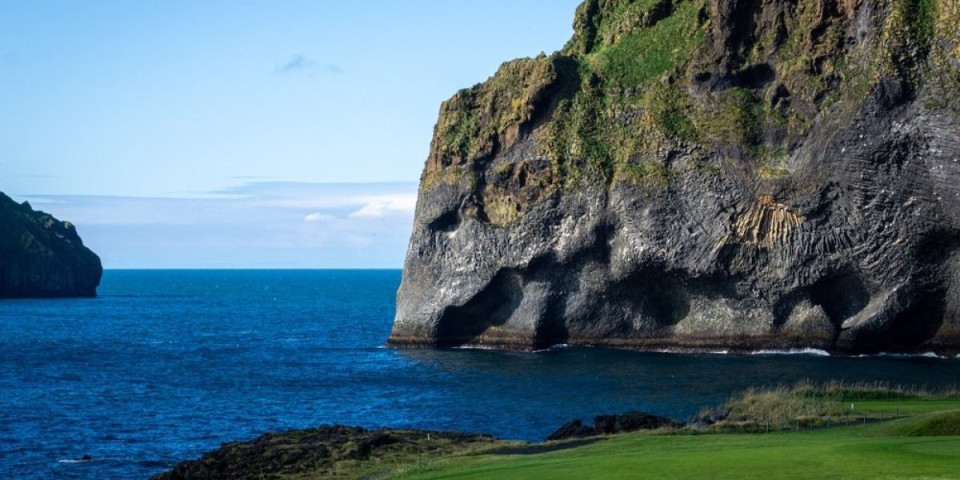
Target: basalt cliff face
[(41, 256), (701, 174)]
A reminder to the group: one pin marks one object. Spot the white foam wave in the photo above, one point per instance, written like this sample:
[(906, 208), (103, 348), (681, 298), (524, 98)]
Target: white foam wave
[(476, 347), (794, 351), (551, 348), (905, 355)]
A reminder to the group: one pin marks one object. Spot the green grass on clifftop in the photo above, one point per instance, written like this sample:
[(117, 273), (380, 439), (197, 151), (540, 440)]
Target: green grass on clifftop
[(842, 453), (644, 55), (923, 443)]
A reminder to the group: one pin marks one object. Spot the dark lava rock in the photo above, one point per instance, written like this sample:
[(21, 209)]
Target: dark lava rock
[(788, 178), (709, 417), (367, 446), (633, 421), (325, 452), (41, 256), (605, 424), (611, 424), (713, 415), (572, 429)]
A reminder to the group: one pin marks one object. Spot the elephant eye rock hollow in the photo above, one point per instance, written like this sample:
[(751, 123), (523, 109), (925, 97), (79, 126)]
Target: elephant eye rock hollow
[(701, 174)]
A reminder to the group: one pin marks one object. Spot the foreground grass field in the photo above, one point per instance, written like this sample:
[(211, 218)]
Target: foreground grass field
[(805, 431), (843, 453), (923, 444)]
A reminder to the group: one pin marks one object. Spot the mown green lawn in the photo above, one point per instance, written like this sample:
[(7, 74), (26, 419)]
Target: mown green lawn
[(873, 451), (906, 406)]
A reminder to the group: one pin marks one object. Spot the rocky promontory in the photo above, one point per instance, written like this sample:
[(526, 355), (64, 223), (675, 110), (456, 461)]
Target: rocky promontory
[(329, 451), (344, 452), (701, 174), (41, 256)]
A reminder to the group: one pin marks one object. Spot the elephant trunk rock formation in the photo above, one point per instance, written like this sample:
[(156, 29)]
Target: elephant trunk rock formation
[(701, 174)]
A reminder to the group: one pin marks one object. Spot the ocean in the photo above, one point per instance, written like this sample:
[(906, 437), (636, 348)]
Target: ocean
[(165, 365)]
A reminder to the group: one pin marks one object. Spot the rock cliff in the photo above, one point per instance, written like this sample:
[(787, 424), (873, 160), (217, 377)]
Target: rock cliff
[(41, 256), (701, 174)]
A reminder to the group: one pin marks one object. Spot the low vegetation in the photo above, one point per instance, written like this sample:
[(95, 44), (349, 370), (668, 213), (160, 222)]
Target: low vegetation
[(635, 59), (833, 430), (893, 432), (807, 405)]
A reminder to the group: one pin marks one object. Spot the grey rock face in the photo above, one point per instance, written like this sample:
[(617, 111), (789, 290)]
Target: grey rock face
[(854, 248), (41, 256)]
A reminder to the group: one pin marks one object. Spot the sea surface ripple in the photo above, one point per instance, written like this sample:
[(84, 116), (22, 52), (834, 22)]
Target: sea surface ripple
[(165, 365)]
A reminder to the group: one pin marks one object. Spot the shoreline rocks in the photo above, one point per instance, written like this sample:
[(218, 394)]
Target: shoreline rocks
[(612, 424), (329, 451), (337, 451)]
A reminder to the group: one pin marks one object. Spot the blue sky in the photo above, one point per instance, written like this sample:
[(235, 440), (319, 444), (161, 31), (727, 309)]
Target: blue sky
[(245, 133)]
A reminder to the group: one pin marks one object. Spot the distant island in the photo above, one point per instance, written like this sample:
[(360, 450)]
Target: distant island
[(41, 256), (701, 175)]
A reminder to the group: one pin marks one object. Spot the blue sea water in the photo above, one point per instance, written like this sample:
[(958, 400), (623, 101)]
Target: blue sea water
[(165, 365)]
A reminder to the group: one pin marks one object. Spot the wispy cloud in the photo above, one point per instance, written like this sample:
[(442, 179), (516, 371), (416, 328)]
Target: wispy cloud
[(357, 200), (297, 63), (380, 207), (301, 63), (319, 217), (268, 224)]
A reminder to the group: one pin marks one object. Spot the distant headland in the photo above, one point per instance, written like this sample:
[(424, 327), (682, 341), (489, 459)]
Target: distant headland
[(41, 256)]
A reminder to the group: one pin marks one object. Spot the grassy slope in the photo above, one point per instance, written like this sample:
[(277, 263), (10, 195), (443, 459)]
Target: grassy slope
[(893, 449)]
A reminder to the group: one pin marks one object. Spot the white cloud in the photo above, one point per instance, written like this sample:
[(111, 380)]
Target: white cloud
[(316, 217), (379, 207), (267, 224)]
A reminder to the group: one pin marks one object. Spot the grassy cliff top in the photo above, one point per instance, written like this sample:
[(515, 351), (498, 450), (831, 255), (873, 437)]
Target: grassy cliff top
[(642, 81)]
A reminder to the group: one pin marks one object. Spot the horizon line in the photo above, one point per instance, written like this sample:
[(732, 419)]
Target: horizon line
[(247, 268)]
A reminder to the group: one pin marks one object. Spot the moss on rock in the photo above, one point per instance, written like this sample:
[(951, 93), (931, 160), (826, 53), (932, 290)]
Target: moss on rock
[(640, 78)]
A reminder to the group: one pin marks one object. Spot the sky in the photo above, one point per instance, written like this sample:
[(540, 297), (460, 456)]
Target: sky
[(245, 133)]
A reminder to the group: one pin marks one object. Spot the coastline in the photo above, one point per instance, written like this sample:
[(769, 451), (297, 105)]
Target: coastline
[(706, 346), (336, 451)]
